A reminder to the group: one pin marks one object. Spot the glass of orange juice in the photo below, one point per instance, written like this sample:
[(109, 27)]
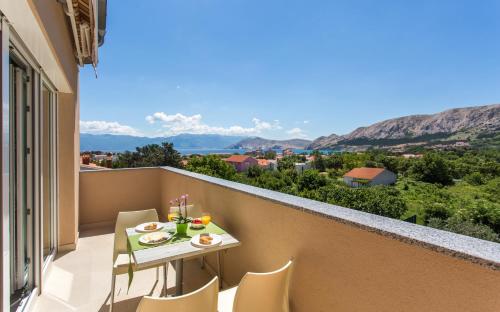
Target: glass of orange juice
[(206, 218), (173, 213)]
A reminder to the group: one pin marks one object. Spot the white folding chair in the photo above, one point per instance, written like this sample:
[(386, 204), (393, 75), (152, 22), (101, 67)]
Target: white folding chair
[(203, 299), (127, 219), (262, 292)]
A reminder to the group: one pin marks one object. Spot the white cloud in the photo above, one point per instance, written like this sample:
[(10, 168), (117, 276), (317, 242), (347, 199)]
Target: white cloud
[(297, 133), (179, 123), (106, 127), (306, 122)]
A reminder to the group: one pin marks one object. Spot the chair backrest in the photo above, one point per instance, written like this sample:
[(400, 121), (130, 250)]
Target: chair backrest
[(264, 292), (203, 299), (127, 219)]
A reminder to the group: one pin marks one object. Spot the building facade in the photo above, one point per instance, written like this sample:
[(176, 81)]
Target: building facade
[(359, 177), (303, 166), (43, 44), (241, 162)]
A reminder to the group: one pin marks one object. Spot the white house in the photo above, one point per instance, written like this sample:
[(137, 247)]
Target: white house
[(369, 176), (268, 164), (301, 167)]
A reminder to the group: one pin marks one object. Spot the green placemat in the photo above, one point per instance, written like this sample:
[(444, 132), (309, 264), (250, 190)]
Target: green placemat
[(135, 245)]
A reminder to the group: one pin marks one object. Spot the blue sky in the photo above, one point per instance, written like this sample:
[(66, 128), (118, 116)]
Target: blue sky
[(282, 69)]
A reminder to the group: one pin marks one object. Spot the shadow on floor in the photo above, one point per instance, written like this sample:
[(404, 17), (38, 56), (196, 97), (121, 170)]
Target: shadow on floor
[(128, 305)]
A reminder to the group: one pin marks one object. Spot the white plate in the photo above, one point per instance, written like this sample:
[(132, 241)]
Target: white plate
[(217, 240), (159, 237), (140, 227), (197, 226)]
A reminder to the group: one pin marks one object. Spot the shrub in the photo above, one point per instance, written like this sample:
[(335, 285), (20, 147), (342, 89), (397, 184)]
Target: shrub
[(475, 178), (381, 200), (436, 211), (483, 212), (465, 227), (254, 171)]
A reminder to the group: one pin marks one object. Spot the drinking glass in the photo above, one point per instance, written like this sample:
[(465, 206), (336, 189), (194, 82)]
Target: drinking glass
[(173, 213), (206, 218)]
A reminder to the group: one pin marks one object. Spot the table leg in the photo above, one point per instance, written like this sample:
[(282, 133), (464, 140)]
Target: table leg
[(179, 265), (219, 270), (165, 274)]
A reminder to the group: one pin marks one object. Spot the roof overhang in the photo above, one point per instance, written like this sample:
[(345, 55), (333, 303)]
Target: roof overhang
[(88, 23), (24, 26)]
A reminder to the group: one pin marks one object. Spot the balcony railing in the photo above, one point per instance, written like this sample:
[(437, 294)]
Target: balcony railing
[(345, 260)]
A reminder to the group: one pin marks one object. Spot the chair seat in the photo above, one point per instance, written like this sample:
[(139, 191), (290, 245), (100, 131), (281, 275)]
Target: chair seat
[(226, 299)]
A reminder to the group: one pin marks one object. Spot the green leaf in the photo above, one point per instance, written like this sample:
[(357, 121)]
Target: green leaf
[(130, 266)]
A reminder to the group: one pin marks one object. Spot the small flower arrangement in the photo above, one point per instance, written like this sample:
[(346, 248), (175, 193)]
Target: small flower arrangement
[(182, 202)]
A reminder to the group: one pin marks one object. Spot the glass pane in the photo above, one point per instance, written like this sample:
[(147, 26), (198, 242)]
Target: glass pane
[(47, 183), (20, 221)]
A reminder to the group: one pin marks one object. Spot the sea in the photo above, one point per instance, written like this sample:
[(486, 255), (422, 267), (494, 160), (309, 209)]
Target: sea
[(187, 151)]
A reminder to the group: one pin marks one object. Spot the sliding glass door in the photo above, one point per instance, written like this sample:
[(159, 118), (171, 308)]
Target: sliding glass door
[(21, 182), (29, 167)]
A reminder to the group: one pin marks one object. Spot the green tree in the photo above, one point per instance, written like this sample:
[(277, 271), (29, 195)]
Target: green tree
[(310, 180), (319, 162), (254, 171), (212, 165), (432, 168), (333, 161), (270, 154), (152, 155), (287, 162)]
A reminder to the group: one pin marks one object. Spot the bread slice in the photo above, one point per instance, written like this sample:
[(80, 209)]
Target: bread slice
[(206, 240)]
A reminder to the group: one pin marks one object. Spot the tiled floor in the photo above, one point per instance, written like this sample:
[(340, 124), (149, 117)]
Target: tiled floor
[(80, 280)]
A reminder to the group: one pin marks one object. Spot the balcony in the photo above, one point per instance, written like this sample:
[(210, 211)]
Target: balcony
[(345, 260)]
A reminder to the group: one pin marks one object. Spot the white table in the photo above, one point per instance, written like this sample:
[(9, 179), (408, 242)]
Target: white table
[(178, 252)]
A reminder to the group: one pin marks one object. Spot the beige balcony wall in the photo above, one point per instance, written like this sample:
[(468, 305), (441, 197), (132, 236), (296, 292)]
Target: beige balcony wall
[(104, 193), (68, 170), (338, 267)]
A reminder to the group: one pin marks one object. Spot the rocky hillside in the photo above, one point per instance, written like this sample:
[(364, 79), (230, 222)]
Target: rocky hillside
[(470, 120), (261, 143)]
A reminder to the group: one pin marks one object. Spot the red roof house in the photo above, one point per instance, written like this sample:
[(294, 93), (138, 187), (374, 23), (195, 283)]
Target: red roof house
[(241, 162), (369, 176)]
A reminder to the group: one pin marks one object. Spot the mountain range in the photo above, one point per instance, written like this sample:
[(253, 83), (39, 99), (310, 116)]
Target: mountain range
[(451, 125), (261, 143), (468, 124)]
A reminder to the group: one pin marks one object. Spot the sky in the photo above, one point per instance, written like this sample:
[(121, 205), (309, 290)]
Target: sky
[(287, 69)]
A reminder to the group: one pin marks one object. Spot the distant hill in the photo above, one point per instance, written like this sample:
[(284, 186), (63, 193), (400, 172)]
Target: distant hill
[(120, 143), (261, 143), (466, 124)]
